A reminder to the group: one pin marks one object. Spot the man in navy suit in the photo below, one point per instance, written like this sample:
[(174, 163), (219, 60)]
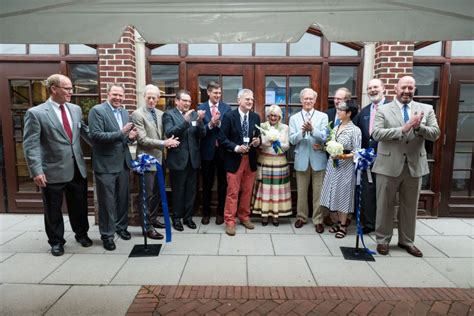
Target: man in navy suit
[(365, 120), (239, 138), (211, 157), (184, 161), (341, 95)]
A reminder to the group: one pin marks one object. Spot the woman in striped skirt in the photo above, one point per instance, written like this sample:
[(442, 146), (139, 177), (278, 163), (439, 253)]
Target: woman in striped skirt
[(272, 195), (337, 193)]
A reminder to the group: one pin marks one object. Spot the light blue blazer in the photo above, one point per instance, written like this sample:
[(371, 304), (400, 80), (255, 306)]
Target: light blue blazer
[(304, 152)]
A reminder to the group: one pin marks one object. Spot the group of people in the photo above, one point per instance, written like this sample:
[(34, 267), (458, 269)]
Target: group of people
[(246, 156)]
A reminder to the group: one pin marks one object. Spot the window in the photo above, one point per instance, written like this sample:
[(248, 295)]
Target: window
[(341, 50), (230, 86), (237, 49), (270, 49), (166, 78), (462, 48), (342, 76), (203, 49), (7, 49), (169, 49), (308, 45), (45, 49), (434, 49), (80, 49)]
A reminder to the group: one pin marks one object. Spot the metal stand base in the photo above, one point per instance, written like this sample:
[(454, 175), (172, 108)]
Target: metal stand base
[(145, 251), (358, 254)]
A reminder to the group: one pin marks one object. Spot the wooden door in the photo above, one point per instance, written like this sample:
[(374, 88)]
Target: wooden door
[(457, 186)]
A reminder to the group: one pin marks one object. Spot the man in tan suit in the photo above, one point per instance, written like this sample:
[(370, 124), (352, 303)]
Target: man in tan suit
[(147, 120), (401, 128)]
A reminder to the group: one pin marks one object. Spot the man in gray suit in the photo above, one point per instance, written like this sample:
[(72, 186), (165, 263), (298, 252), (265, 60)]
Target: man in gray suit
[(401, 128), (111, 133), (150, 138), (184, 160), (51, 144)]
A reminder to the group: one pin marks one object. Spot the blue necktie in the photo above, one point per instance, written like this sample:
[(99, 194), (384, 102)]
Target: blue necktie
[(405, 113), (245, 127)]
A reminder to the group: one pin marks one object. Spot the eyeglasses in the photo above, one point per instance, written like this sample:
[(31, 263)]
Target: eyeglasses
[(68, 89)]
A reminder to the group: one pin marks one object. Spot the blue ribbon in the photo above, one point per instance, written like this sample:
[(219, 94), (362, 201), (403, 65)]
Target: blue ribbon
[(364, 158), (142, 164), (276, 145)]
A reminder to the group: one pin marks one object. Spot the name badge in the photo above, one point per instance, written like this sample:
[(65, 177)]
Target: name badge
[(246, 140), (193, 123), (79, 125)]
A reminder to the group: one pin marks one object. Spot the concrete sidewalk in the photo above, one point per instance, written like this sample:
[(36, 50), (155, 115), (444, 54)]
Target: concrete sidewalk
[(89, 281)]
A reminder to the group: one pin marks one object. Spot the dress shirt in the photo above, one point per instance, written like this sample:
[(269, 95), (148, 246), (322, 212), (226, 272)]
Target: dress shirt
[(57, 111)]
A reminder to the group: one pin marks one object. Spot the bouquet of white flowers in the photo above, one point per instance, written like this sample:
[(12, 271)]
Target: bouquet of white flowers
[(272, 134), (334, 149)]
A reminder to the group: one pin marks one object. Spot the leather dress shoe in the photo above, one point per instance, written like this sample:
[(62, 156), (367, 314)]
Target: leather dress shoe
[(178, 225), (264, 221), (153, 234), (319, 228), (109, 244), (124, 234), (158, 224), (412, 250), (190, 224), (382, 249), (275, 222), (219, 219), (205, 220), (299, 223), (367, 230), (57, 250), (85, 241)]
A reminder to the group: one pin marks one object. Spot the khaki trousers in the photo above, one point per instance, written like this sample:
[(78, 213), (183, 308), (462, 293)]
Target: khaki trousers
[(303, 179)]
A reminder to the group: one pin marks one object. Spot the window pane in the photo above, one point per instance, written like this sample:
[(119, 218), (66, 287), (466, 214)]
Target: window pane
[(275, 90), (6, 49), (462, 48), (168, 49), (296, 85), (270, 49), (236, 49), (81, 49), (165, 77), (231, 85), (466, 98), (20, 94), (203, 81), (84, 78), (40, 92), (430, 50), (427, 80), (308, 45), (426, 179), (342, 76), (341, 50), (44, 49), (203, 49), (460, 183), (465, 128)]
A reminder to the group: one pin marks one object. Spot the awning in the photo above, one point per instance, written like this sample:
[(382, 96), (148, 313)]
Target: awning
[(227, 21)]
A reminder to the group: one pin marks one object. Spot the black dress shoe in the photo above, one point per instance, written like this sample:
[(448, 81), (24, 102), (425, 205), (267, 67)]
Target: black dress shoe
[(57, 250), (219, 219), (158, 224), (190, 224), (205, 220), (178, 225), (109, 244), (264, 221), (124, 234), (275, 222), (153, 234), (85, 241)]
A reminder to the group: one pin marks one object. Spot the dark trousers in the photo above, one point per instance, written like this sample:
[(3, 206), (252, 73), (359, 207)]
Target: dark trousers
[(152, 198), (208, 170), (113, 198), (368, 201), (76, 200), (183, 191)]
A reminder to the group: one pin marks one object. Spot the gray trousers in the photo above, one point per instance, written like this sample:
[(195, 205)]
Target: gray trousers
[(113, 197)]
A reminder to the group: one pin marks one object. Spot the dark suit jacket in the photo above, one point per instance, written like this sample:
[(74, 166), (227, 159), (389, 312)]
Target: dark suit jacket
[(110, 151), (231, 135), (331, 112), (189, 136), (208, 143), (362, 120)]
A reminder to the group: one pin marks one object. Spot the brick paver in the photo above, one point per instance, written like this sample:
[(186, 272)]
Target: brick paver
[(260, 300)]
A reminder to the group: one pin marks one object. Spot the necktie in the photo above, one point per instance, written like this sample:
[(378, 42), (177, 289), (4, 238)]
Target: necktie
[(153, 114), (245, 127), (372, 117), (213, 110), (405, 113), (67, 127), (337, 122)]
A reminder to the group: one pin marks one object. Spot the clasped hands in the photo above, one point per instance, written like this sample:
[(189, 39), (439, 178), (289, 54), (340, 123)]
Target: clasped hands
[(242, 149), (414, 122), (200, 115), (131, 130), (307, 127)]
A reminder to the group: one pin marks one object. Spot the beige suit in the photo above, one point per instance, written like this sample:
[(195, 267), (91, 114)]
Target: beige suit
[(401, 162)]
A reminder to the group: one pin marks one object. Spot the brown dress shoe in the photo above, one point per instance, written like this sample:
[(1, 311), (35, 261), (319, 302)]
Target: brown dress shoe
[(382, 249), (319, 228), (412, 250), (205, 220), (230, 230), (153, 234), (299, 223), (219, 219), (248, 224)]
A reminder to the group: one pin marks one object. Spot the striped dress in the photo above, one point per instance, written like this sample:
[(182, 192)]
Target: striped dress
[(337, 193), (272, 194)]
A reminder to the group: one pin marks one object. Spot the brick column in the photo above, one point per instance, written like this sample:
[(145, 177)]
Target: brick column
[(393, 60)]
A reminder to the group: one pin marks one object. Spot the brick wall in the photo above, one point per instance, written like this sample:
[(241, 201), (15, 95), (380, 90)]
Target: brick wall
[(393, 60), (117, 64)]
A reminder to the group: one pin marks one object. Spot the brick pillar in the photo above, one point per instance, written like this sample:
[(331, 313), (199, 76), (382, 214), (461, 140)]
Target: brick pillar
[(117, 64), (393, 60)]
